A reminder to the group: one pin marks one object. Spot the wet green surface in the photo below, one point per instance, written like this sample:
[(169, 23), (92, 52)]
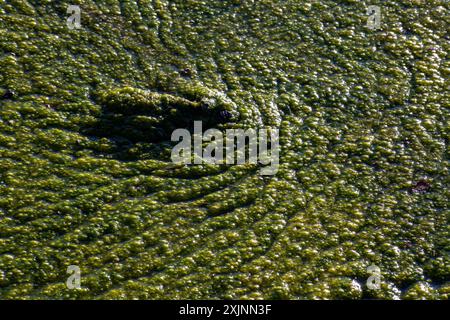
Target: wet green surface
[(364, 124)]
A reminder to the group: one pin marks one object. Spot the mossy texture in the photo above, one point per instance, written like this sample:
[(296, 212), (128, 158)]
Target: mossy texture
[(86, 179)]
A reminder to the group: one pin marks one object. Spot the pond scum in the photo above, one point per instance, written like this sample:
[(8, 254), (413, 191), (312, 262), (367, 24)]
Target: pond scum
[(85, 171)]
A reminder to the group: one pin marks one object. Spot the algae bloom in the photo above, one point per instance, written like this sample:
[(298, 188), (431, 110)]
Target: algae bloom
[(357, 209)]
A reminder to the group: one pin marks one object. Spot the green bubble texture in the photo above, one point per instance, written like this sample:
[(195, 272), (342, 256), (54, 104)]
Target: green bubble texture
[(363, 116)]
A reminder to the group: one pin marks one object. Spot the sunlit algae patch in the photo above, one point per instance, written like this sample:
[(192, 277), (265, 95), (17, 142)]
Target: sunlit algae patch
[(86, 178)]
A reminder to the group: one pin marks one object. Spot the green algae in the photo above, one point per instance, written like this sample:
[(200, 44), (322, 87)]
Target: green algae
[(363, 116)]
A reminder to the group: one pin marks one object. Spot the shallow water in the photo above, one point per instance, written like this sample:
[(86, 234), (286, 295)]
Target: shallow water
[(363, 119)]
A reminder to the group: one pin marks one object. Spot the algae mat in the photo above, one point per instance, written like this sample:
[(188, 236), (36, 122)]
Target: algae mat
[(86, 178)]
